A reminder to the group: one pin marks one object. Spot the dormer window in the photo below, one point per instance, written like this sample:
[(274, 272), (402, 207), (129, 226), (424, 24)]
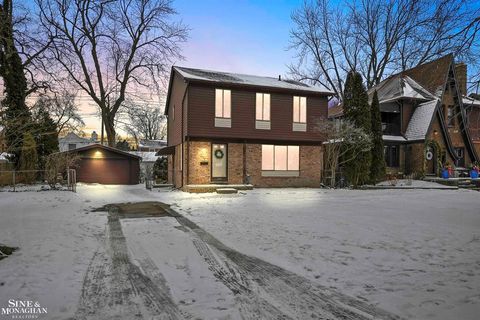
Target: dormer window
[(223, 108), (299, 113), (262, 108)]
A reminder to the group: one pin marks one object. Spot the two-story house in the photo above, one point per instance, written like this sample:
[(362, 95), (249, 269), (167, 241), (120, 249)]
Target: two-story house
[(424, 119), (226, 128)]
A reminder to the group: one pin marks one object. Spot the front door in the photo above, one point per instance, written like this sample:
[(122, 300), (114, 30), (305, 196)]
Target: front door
[(219, 162), (431, 158)]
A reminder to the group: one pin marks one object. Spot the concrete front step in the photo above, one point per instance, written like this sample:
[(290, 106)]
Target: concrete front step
[(226, 190), (200, 188)]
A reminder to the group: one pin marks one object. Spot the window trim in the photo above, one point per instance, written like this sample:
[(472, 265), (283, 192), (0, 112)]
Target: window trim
[(299, 109), (395, 163), (223, 103), (263, 106)]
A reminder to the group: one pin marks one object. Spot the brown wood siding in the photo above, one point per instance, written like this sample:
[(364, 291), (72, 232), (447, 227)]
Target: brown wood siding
[(178, 88), (201, 115)]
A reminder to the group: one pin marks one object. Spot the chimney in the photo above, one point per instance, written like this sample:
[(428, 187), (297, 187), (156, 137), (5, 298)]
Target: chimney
[(279, 77), (461, 74)]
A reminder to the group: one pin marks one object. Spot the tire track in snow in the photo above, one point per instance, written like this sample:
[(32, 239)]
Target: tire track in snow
[(116, 288), (276, 293)]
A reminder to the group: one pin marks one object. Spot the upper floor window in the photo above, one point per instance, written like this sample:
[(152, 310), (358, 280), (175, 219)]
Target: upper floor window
[(222, 103), (263, 106), (451, 116), (262, 114), (299, 113), (223, 106), (72, 146), (299, 109)]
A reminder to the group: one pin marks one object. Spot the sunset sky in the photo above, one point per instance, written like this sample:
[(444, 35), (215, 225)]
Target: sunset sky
[(232, 35)]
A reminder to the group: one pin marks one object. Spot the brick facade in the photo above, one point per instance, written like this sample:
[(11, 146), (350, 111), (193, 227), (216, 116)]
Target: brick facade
[(242, 158)]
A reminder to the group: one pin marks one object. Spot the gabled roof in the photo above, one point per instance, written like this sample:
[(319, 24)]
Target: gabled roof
[(432, 75), (420, 122), (72, 137), (220, 77), (101, 146), (400, 86)]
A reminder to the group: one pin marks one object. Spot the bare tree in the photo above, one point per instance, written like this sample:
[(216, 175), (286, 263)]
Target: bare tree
[(144, 122), (378, 37), (343, 143), (63, 110), (113, 50)]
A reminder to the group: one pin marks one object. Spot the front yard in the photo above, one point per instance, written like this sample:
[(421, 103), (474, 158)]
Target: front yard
[(410, 253)]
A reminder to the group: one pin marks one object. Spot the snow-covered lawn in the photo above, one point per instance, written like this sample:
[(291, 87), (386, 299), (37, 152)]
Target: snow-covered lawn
[(414, 253)]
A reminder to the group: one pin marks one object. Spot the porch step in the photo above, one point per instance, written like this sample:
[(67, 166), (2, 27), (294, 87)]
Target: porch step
[(200, 188), (226, 190)]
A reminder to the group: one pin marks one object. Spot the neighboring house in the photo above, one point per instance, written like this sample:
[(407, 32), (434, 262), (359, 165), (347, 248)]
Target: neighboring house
[(472, 107), (147, 159), (151, 145), (424, 119), (101, 164), (3, 142), (72, 141), (232, 129)]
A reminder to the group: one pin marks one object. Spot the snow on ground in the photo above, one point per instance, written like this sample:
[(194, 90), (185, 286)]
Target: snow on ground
[(414, 253), (56, 239), (421, 184)]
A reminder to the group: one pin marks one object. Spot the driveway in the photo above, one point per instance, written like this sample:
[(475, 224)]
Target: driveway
[(124, 279)]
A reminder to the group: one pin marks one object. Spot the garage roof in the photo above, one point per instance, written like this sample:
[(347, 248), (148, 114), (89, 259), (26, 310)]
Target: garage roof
[(101, 146)]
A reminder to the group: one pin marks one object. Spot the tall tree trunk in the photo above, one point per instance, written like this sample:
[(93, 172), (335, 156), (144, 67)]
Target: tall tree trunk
[(109, 122)]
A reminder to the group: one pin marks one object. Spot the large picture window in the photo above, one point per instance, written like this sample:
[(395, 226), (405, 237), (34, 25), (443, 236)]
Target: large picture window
[(280, 158), (392, 155), (222, 103)]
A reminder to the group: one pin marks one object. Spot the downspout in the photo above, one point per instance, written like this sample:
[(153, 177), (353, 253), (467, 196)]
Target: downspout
[(244, 162), (183, 133)]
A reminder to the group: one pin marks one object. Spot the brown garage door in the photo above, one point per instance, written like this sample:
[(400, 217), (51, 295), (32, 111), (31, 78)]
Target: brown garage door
[(105, 171)]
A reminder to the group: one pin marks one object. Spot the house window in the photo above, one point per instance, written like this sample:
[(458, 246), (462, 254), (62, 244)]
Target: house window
[(392, 155), (173, 112), (223, 108), (262, 117), (72, 146), (280, 160), (451, 116), (299, 113)]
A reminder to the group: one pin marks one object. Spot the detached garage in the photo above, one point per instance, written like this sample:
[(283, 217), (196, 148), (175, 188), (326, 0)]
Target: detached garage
[(106, 165)]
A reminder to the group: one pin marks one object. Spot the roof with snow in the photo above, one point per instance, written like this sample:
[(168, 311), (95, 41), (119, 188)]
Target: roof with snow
[(400, 87), (245, 79), (73, 138), (420, 122), (147, 156), (469, 101), (152, 143)]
